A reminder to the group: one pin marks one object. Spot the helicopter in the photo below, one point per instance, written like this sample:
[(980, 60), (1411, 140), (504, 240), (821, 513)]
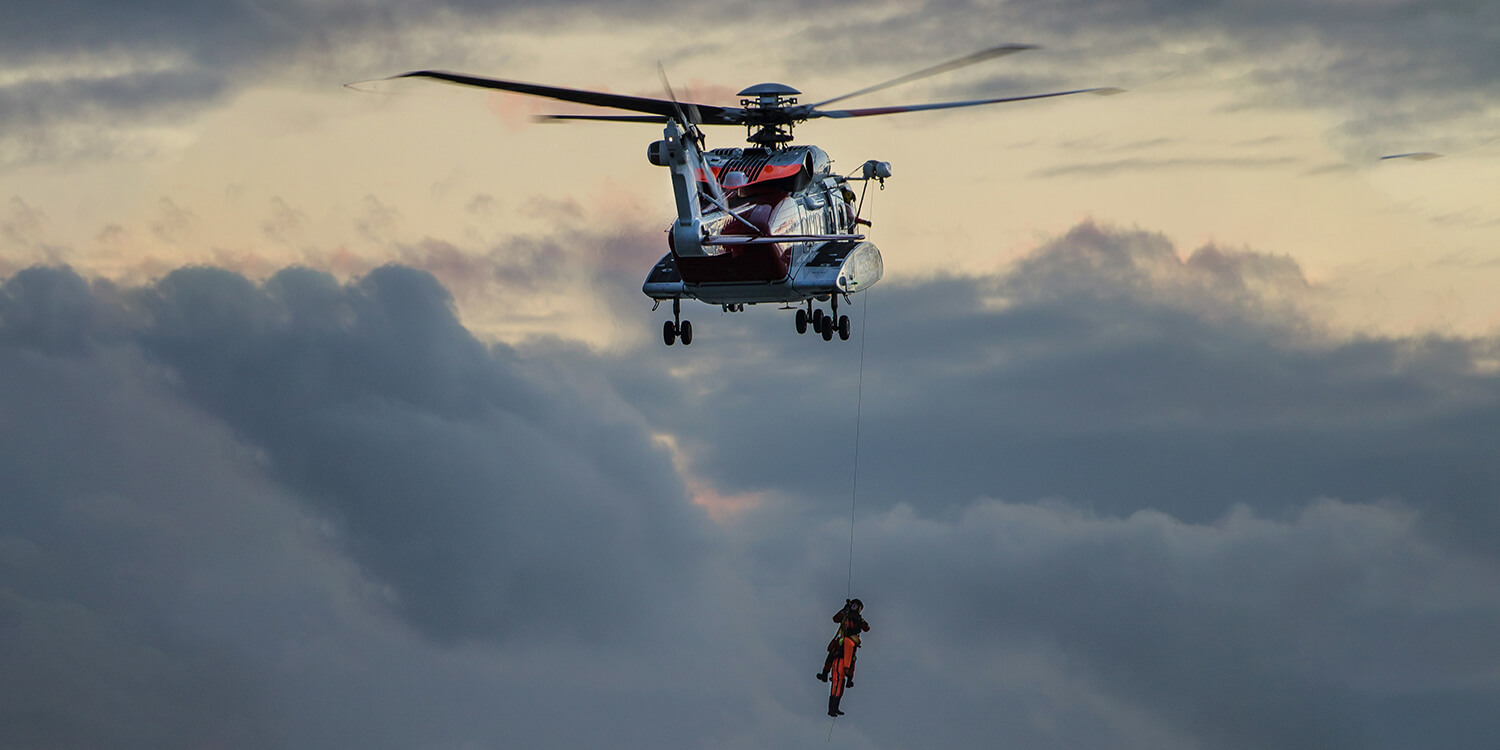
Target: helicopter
[(769, 223)]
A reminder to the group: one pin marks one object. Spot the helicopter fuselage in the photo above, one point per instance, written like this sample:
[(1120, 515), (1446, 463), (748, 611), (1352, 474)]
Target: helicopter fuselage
[(782, 192)]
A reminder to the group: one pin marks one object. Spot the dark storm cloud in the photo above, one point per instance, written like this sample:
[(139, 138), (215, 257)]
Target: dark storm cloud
[(488, 495), (1169, 568), (83, 73), (309, 514), (1340, 626), (268, 515), (1220, 524), (1360, 60), (305, 513), (77, 77), (484, 490), (37, 103), (1105, 370), (112, 491)]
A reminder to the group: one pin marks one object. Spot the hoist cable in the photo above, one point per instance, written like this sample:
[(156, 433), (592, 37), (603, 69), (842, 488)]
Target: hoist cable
[(859, 407), (859, 403)]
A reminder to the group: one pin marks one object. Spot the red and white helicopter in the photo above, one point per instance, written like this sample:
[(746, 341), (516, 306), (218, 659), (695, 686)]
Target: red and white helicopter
[(769, 223)]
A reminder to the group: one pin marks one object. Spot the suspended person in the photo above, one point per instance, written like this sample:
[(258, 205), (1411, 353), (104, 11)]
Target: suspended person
[(851, 624)]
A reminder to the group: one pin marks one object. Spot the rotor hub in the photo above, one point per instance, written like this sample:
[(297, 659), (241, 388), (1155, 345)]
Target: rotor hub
[(768, 96), (769, 113)]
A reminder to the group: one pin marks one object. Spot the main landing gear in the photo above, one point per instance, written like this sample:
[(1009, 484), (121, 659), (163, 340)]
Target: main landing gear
[(677, 327), (826, 325)]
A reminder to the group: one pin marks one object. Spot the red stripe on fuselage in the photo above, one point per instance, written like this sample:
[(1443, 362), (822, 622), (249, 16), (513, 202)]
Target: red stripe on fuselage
[(768, 172)]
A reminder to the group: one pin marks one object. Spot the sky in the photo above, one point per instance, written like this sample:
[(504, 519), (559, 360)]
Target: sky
[(336, 419)]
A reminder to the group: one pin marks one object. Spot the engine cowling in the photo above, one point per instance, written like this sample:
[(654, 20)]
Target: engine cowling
[(657, 154)]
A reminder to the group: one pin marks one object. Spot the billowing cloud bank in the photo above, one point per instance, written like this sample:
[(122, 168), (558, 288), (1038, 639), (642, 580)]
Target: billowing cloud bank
[(1111, 497), (201, 475), (90, 79), (1107, 371)]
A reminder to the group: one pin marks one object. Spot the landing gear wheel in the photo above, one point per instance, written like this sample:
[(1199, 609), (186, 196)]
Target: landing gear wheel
[(669, 333), (801, 320), (686, 332), (817, 320), (843, 328), (827, 329)]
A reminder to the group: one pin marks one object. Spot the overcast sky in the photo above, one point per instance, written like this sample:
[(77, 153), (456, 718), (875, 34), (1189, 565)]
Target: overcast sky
[(337, 420)]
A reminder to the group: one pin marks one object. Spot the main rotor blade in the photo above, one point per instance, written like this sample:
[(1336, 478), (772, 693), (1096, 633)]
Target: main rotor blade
[(841, 113), (695, 135), (977, 57), (604, 118), (617, 118), (661, 70), (658, 107)]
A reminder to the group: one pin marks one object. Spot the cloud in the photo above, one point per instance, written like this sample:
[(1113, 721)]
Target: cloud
[(1369, 139), (176, 223), (85, 79), (1152, 165), (1339, 626), (1104, 369), (265, 514), (419, 444), (1115, 495), (1370, 61), (374, 402), (522, 264), (122, 506), (88, 80), (285, 222), (23, 233)]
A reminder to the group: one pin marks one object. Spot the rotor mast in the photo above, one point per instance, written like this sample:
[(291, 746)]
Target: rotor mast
[(769, 114)]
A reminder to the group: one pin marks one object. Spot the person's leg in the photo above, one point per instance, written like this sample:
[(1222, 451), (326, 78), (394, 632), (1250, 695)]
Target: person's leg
[(833, 651)]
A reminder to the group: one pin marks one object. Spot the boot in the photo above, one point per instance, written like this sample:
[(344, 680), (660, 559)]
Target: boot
[(833, 706), (822, 676)]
